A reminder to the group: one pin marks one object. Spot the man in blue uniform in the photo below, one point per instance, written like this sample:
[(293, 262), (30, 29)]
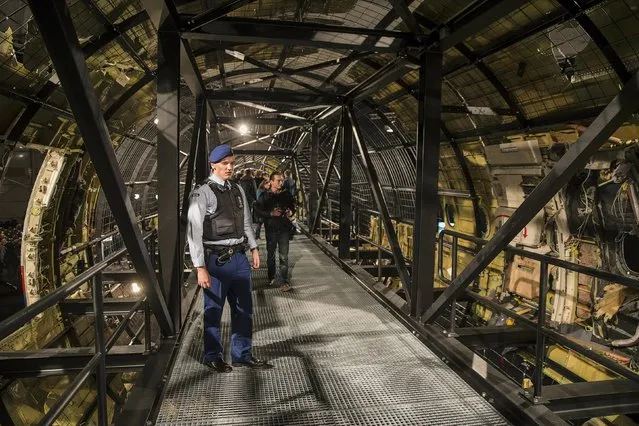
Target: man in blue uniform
[(219, 231)]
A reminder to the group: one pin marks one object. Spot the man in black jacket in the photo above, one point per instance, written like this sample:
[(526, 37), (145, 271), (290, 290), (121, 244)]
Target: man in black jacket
[(276, 207)]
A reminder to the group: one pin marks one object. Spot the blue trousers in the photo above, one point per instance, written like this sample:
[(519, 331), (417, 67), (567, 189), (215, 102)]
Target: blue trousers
[(231, 281), (277, 239)]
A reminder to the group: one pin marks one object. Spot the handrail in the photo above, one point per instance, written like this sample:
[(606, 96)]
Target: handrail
[(59, 406), (582, 269), (79, 247), (543, 332), (17, 320)]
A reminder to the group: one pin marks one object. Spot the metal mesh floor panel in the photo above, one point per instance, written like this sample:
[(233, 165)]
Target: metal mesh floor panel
[(340, 358)]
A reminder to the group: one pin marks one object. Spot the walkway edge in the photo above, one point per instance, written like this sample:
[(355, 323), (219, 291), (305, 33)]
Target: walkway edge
[(491, 383)]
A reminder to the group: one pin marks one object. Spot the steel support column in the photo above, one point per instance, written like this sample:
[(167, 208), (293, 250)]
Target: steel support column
[(312, 195), (55, 25), (327, 181), (426, 196), (202, 168), (198, 139), (380, 201), (345, 187), (168, 153), (613, 116)]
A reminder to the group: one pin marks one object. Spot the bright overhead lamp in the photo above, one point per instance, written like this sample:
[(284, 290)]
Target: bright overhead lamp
[(135, 287), (388, 128), (243, 129)]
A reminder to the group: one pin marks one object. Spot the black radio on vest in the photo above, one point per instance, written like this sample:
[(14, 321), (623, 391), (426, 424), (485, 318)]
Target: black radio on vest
[(228, 220)]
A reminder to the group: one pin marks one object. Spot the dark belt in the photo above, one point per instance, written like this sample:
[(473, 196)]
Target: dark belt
[(224, 253)]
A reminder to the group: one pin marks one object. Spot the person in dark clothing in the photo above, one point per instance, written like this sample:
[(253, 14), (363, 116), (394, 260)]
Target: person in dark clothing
[(289, 183), (276, 207), (264, 187), (248, 185)]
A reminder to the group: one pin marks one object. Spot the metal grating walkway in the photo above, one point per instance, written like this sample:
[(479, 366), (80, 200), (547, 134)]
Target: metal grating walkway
[(340, 359)]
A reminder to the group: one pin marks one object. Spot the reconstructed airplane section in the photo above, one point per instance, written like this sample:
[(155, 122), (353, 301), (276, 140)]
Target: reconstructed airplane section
[(467, 210)]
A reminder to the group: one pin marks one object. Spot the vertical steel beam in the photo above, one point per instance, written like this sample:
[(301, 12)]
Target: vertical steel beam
[(327, 181), (300, 187), (55, 25), (101, 376), (613, 116), (345, 188), (198, 139), (312, 196), (380, 201), (168, 154), (426, 198), (202, 168)]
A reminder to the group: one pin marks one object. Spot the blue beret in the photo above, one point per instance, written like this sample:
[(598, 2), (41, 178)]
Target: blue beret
[(219, 153)]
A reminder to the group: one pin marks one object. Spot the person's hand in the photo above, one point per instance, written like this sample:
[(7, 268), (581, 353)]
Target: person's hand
[(276, 213), (255, 254), (203, 278), (289, 213)]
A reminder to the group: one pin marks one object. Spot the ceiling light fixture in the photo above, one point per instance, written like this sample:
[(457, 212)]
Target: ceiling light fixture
[(243, 129)]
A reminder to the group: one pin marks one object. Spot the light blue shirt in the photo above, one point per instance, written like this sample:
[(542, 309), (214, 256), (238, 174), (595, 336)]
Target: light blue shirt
[(202, 202)]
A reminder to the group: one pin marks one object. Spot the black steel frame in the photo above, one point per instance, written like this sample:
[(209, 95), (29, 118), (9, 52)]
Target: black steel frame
[(543, 332), (380, 201), (617, 111), (168, 158), (54, 21), (345, 187), (426, 197)]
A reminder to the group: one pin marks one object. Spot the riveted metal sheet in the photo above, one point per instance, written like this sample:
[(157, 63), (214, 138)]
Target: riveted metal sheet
[(339, 358)]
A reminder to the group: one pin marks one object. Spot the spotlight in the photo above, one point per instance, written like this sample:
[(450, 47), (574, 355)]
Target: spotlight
[(135, 287), (156, 121), (243, 129), (156, 196), (136, 196), (388, 129)]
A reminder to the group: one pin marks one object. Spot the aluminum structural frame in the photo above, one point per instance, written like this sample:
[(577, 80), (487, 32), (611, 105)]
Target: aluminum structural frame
[(613, 115), (426, 197), (54, 22), (380, 201), (345, 187)]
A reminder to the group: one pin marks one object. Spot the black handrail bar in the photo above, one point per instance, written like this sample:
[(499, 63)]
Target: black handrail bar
[(76, 248), (559, 338), (17, 320), (542, 331), (59, 406), (582, 269), (122, 326)]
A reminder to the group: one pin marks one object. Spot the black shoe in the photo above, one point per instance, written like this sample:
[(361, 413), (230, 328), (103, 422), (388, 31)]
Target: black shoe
[(255, 363), (220, 366)]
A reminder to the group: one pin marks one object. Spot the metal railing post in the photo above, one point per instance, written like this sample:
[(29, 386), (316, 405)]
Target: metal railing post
[(540, 347), (453, 274), (101, 379), (147, 327), (357, 233), (330, 219), (379, 248)]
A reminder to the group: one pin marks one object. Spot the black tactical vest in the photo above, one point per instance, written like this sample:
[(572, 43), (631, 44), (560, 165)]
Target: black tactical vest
[(228, 219)]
